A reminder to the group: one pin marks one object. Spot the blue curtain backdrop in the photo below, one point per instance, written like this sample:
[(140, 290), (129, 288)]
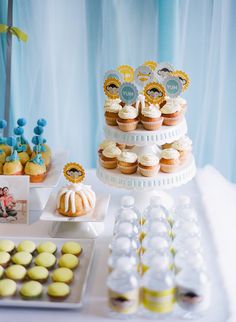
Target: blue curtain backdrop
[(58, 74)]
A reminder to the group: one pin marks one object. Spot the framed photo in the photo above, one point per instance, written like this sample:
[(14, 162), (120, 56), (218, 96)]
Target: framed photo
[(14, 199)]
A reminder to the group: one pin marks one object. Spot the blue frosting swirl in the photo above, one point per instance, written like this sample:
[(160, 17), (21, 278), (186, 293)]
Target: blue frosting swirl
[(21, 148), (12, 157), (39, 148), (3, 140), (37, 159)]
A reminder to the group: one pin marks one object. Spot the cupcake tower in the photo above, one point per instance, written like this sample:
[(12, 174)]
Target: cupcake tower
[(145, 126), (16, 156)]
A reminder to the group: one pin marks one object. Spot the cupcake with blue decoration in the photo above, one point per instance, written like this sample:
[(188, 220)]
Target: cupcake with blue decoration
[(12, 166), (3, 141), (21, 122), (20, 147), (2, 156), (42, 148), (36, 167)]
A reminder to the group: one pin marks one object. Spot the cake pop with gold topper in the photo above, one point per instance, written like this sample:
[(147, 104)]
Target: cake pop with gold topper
[(75, 199)]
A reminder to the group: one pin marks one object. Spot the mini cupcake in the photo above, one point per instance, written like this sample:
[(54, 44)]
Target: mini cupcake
[(3, 141), (182, 102), (151, 118), (148, 165), (127, 162), (169, 161), (13, 165), (2, 156), (1, 168), (128, 118), (112, 108), (36, 169), (39, 144), (109, 157), (183, 146), (104, 144), (172, 112)]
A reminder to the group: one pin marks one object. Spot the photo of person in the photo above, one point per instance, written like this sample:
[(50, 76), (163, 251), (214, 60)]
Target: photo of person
[(74, 173), (112, 89), (154, 93), (14, 195), (163, 72)]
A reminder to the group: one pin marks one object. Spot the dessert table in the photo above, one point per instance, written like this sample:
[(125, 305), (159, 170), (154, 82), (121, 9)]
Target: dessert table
[(214, 198)]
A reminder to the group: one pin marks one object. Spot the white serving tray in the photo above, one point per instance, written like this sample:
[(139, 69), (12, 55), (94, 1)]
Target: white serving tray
[(96, 215), (78, 286)]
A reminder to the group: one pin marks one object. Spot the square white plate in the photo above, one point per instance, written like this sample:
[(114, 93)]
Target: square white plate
[(96, 215), (77, 287)]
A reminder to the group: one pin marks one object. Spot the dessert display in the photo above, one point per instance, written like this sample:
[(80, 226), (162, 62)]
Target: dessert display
[(45, 276), (166, 269), (75, 199), (146, 144), (16, 156)]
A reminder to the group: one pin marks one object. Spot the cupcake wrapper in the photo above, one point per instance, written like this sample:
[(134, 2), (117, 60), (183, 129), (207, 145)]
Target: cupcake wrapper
[(111, 121), (127, 127), (152, 126), (168, 167), (172, 120), (149, 172), (108, 164), (128, 170)]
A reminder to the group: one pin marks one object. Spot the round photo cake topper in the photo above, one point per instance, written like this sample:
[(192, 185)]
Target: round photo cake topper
[(183, 77), (128, 93), (173, 86), (143, 75), (111, 87), (163, 70), (127, 72), (74, 172), (154, 93), (151, 64), (112, 73)]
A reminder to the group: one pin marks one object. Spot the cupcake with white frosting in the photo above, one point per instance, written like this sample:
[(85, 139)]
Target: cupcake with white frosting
[(148, 165), (183, 146), (127, 162), (104, 144), (112, 108), (151, 117), (108, 158), (128, 118), (170, 160), (172, 112)]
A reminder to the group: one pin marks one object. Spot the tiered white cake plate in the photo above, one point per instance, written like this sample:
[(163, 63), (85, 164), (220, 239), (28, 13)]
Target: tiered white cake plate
[(142, 141)]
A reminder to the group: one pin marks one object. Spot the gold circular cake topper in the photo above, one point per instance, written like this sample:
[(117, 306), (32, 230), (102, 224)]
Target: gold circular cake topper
[(111, 87), (127, 72), (74, 172), (151, 64), (183, 77), (154, 93)]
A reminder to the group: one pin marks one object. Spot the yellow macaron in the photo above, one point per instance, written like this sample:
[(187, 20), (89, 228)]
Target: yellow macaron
[(47, 247), (47, 260), (22, 258), (58, 290), (62, 274), (6, 245), (71, 248), (38, 273), (15, 272), (31, 290), (26, 246), (7, 287), (4, 259), (69, 261)]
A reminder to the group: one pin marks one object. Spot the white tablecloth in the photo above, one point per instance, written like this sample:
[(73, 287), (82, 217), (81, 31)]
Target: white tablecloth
[(219, 198)]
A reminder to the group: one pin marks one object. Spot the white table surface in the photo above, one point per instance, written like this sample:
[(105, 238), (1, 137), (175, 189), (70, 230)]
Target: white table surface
[(209, 186)]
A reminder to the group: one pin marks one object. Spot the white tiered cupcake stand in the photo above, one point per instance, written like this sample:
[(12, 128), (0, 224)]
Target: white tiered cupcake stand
[(144, 142)]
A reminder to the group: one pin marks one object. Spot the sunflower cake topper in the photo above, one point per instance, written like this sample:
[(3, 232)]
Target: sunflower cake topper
[(127, 72), (154, 93), (151, 64), (111, 87), (183, 77), (74, 172)]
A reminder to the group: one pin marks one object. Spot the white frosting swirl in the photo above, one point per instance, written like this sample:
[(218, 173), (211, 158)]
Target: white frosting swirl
[(148, 159), (171, 106), (110, 101), (111, 151), (106, 143), (128, 112), (114, 107), (183, 144), (152, 111), (86, 193), (169, 154), (128, 157)]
